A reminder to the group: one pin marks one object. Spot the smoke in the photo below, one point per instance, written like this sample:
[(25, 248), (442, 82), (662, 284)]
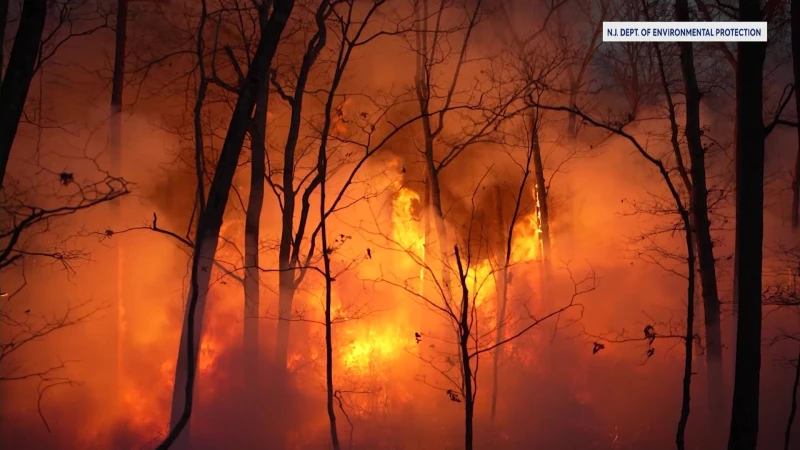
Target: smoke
[(554, 392)]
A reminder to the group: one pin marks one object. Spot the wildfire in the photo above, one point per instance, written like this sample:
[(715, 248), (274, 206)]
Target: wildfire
[(372, 350), (527, 240), (480, 282), (407, 230)]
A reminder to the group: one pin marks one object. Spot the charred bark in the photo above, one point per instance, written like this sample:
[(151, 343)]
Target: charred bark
[(701, 222), (541, 191), (749, 234), (210, 221), (19, 73), (686, 400), (543, 212), (464, 336), (795, 36), (322, 170), (117, 82)]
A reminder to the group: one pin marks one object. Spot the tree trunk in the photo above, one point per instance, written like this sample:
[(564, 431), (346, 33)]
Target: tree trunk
[(543, 212), (502, 286), (115, 150), (795, 13), (288, 252), (501, 282), (210, 222), (788, 434), (749, 234), (572, 120), (680, 437), (115, 124), (702, 224), (291, 240), (252, 274), (3, 19), (465, 334), (322, 170), (18, 75)]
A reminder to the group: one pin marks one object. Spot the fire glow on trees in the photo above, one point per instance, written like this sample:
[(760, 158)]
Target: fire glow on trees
[(430, 267)]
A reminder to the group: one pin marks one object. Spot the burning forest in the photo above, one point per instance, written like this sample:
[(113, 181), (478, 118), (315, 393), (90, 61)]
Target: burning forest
[(396, 224)]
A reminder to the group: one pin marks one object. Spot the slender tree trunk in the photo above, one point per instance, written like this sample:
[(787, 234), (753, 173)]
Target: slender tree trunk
[(288, 251), (501, 282), (505, 276), (795, 13), (291, 239), (18, 75), (702, 224), (465, 334), (680, 437), (572, 120), (117, 82), (115, 150), (326, 258), (179, 401), (749, 234), (210, 222), (252, 234), (788, 434)]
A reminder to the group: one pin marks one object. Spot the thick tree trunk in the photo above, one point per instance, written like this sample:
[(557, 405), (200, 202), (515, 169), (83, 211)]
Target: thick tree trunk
[(749, 234), (18, 75), (702, 224), (795, 13), (210, 222)]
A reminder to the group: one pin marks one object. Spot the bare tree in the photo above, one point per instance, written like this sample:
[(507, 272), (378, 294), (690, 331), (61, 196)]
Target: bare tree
[(288, 190), (700, 220), (467, 332), (212, 209), (428, 43), (32, 211), (539, 69), (580, 64)]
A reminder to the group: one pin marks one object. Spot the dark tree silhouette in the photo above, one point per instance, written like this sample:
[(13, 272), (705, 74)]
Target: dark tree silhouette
[(749, 233), (19, 72)]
